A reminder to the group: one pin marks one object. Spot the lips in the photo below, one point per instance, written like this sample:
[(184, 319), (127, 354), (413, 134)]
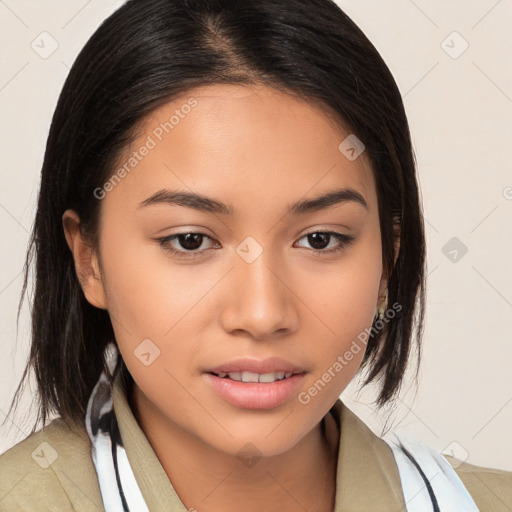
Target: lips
[(256, 384), (255, 395)]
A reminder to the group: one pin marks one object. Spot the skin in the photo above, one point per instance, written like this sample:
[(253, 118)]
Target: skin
[(258, 150)]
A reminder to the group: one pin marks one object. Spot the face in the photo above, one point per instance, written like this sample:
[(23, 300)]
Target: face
[(193, 285)]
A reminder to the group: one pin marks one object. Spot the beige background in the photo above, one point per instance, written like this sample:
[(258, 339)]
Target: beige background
[(459, 102)]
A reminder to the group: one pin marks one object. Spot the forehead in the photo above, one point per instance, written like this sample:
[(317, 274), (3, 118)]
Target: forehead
[(239, 140)]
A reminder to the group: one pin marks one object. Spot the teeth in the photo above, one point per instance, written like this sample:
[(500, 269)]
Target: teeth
[(256, 377), (267, 377), (249, 377)]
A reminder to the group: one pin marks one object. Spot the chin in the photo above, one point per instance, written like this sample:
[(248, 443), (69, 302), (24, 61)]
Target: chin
[(255, 441)]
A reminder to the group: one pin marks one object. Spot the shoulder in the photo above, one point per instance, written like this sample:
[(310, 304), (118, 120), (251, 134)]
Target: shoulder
[(491, 489), (51, 469)]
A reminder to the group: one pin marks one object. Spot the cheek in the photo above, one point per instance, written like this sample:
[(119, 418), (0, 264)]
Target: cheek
[(144, 301), (151, 306), (345, 295), (143, 287), (151, 298), (344, 300)]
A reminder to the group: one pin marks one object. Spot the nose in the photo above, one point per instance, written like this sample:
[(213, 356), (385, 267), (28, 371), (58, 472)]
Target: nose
[(261, 302)]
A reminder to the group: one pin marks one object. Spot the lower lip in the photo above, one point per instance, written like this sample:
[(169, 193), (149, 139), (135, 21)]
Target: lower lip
[(255, 395)]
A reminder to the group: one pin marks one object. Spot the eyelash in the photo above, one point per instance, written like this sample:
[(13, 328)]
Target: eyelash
[(345, 241)]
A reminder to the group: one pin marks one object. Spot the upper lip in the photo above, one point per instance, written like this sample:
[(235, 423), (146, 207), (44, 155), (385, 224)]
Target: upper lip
[(269, 365)]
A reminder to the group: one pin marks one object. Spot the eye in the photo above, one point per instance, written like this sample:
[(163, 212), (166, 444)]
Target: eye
[(189, 242), (320, 240)]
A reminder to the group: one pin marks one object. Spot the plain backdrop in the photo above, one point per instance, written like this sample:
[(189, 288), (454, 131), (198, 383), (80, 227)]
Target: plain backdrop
[(451, 62)]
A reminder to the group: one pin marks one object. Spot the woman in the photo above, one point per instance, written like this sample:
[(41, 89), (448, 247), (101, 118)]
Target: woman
[(228, 231)]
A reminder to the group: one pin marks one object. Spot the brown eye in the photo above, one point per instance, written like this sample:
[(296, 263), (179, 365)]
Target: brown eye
[(320, 241), (185, 244)]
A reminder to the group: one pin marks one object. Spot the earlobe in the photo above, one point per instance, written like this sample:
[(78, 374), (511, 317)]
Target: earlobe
[(87, 266)]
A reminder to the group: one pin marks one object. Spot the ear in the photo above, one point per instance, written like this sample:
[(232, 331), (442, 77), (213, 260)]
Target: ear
[(87, 266), (396, 243)]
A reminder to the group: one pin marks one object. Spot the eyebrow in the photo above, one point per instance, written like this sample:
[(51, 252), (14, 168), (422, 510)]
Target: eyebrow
[(210, 205)]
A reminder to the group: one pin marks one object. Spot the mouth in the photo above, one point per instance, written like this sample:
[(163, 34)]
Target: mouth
[(249, 383), (254, 377)]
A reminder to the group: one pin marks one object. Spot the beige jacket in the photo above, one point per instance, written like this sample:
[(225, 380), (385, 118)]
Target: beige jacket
[(367, 475)]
